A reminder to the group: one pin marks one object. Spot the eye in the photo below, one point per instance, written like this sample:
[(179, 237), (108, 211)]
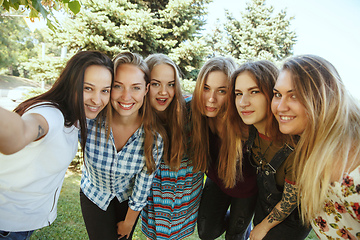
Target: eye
[(277, 95), (222, 91), (171, 84), (238, 94), (106, 91), (117, 86), (155, 84), (293, 96), (87, 88), (255, 91), (136, 88), (206, 88)]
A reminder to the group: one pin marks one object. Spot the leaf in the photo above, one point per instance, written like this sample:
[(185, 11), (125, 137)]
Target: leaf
[(1, 2), (333, 225), (74, 6), (65, 1), (33, 13)]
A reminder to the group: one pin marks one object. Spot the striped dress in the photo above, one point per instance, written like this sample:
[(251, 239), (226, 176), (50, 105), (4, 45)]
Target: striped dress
[(173, 202)]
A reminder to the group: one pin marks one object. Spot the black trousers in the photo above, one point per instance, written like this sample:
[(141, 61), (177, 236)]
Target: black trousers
[(100, 224), (214, 218)]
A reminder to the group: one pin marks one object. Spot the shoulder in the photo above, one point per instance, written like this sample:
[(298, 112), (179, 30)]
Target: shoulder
[(51, 114)]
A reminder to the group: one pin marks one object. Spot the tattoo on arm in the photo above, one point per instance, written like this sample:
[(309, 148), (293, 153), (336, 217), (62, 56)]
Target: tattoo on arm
[(40, 132), (287, 204)]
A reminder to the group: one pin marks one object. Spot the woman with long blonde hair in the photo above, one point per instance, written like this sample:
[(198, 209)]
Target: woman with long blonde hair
[(311, 101), (224, 185), (174, 199)]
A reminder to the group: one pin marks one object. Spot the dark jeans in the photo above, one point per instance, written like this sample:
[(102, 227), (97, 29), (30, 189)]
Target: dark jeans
[(100, 224), (15, 235), (214, 218)]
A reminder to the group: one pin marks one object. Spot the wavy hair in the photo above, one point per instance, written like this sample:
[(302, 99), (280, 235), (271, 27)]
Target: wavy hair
[(174, 115), (149, 119), (330, 143), (67, 92), (200, 122), (264, 73)]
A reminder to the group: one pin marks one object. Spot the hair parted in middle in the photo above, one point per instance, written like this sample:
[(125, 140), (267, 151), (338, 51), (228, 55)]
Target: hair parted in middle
[(264, 73), (200, 122), (148, 116), (175, 114)]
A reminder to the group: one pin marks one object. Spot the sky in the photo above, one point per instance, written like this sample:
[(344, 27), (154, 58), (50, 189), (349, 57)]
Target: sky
[(327, 28)]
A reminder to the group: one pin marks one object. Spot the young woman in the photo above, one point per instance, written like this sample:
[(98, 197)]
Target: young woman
[(311, 101), (39, 141), (121, 155), (225, 184), (174, 199), (250, 116)]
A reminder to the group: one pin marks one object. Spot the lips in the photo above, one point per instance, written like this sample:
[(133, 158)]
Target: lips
[(286, 118), (246, 113), (161, 101), (126, 106), (93, 108), (210, 109)]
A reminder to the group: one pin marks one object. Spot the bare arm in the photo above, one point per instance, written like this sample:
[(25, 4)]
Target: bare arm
[(124, 227), (16, 132), (281, 211)]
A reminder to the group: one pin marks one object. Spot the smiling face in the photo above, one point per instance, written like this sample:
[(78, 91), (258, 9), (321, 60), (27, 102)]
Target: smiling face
[(288, 110), (97, 85), (214, 93), (162, 86), (127, 95), (251, 104)]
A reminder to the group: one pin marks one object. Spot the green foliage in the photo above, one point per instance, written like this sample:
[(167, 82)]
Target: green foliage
[(169, 27), (16, 41), (45, 8), (48, 69), (258, 35), (188, 86)]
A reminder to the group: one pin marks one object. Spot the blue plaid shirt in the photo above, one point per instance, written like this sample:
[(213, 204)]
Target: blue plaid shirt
[(108, 173)]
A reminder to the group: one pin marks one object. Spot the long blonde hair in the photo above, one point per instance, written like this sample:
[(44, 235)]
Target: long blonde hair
[(148, 118), (175, 114), (200, 123), (330, 143), (264, 74)]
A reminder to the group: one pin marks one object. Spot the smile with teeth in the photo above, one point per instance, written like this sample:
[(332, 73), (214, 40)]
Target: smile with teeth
[(286, 118), (126, 106), (93, 109), (161, 101)]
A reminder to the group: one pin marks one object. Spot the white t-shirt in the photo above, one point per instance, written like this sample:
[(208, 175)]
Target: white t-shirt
[(31, 179)]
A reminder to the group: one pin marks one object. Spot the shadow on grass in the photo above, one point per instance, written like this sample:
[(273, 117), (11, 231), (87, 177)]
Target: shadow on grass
[(69, 223)]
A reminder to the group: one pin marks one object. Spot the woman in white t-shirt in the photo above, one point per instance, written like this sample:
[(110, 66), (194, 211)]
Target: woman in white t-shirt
[(40, 138)]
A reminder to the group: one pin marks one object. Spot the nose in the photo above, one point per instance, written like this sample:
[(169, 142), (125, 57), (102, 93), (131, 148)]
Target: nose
[(126, 95), (95, 98), (212, 97), (282, 105), (162, 90), (244, 101)]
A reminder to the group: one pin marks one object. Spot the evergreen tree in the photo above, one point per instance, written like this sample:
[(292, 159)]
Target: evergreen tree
[(259, 34), (171, 27)]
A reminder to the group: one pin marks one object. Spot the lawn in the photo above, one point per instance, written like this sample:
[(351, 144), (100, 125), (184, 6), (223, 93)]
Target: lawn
[(69, 223)]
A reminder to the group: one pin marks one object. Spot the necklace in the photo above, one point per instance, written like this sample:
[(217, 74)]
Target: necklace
[(262, 155)]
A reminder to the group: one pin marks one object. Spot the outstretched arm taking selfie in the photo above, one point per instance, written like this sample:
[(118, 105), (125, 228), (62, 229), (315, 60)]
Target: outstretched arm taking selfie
[(281, 211), (18, 131)]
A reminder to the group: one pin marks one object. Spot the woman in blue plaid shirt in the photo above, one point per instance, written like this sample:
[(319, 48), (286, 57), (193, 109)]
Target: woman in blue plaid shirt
[(121, 154)]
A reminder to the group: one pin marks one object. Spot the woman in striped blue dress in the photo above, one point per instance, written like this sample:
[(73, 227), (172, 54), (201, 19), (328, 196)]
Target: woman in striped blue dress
[(174, 200)]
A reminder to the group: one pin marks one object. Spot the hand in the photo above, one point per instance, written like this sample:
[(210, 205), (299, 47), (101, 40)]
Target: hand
[(124, 229), (259, 232)]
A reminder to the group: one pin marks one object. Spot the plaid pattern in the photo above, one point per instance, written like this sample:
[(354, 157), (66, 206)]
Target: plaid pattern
[(108, 173)]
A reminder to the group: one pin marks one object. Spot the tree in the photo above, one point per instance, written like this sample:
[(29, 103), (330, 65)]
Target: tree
[(259, 34), (16, 41), (171, 27), (45, 8)]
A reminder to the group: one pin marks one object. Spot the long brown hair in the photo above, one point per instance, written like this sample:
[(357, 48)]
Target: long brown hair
[(149, 119), (67, 92), (264, 73), (174, 114), (200, 122)]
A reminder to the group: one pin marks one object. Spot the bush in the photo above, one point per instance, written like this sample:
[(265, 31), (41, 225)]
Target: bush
[(47, 69)]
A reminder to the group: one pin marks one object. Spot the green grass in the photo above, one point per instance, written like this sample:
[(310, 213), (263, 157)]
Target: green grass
[(69, 223)]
